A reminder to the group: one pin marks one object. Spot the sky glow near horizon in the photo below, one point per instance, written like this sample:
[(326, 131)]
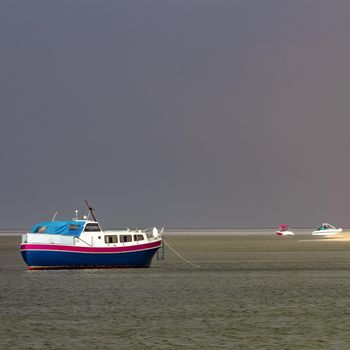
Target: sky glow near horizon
[(175, 113)]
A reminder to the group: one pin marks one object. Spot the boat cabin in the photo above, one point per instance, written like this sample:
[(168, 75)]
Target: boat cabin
[(85, 233)]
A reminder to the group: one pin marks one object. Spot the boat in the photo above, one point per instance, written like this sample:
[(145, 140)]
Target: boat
[(81, 243), (283, 230), (326, 230)]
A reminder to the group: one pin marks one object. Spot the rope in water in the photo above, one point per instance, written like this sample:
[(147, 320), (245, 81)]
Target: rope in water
[(178, 254)]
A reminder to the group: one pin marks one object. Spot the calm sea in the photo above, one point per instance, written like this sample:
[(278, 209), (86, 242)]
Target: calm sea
[(250, 292)]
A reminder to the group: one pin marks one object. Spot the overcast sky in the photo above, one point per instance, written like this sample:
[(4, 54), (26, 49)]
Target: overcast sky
[(176, 113)]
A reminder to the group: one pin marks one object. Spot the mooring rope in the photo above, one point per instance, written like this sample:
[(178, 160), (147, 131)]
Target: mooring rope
[(179, 255)]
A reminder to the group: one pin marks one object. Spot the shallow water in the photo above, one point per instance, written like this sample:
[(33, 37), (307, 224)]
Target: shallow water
[(250, 292)]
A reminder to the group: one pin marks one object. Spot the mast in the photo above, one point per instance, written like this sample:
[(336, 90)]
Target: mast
[(91, 210)]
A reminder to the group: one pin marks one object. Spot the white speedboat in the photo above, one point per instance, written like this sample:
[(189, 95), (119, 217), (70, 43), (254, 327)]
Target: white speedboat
[(326, 230), (283, 231)]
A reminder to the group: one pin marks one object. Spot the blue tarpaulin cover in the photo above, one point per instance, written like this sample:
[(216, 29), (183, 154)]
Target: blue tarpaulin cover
[(66, 228)]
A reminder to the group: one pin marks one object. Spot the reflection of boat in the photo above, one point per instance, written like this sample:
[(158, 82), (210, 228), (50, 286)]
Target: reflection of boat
[(82, 244), (326, 230), (283, 231)]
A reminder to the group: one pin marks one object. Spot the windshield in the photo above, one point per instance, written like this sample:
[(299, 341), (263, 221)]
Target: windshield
[(92, 228)]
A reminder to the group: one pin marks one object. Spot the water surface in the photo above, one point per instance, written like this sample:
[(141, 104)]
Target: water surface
[(250, 292)]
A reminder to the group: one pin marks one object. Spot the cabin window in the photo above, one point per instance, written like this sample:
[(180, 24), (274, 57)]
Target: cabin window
[(40, 229), (138, 238), (111, 239), (92, 228), (125, 238), (73, 227)]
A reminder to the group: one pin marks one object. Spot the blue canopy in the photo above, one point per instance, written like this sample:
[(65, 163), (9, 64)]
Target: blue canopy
[(66, 228)]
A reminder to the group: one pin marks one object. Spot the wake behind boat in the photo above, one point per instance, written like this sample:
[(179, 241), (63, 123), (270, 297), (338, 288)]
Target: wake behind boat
[(83, 244), (326, 230)]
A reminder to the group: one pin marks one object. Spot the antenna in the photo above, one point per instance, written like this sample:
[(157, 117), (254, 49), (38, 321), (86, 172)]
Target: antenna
[(54, 217), (76, 214), (91, 210)]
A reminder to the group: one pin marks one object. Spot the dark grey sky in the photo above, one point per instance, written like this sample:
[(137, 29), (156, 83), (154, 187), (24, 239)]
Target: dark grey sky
[(175, 113)]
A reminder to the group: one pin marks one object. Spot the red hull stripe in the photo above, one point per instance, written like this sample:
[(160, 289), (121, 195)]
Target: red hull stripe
[(78, 249), (82, 267)]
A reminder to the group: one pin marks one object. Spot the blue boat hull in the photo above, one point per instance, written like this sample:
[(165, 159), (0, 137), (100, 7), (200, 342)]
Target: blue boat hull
[(37, 259)]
